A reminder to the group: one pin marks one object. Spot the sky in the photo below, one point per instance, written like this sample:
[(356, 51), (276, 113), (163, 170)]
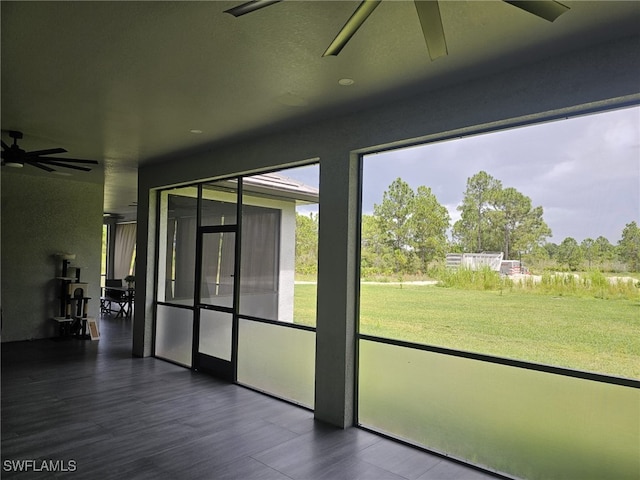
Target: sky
[(584, 171)]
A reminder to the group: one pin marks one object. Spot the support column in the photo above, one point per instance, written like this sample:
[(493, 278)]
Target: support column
[(145, 273), (337, 254)]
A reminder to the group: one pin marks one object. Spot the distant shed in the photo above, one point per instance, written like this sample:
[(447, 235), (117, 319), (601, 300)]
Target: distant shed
[(475, 261)]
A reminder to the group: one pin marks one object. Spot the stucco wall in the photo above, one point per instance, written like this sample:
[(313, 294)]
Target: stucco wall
[(42, 216)]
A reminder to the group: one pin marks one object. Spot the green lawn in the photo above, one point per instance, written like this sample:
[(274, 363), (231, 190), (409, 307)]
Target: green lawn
[(582, 333)]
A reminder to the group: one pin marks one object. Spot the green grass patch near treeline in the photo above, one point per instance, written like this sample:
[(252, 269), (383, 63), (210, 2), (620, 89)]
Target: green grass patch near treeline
[(594, 332), (593, 283)]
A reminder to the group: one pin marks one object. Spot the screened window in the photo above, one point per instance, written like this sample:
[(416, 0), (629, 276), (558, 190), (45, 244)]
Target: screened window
[(177, 257), (257, 328), (516, 243), (497, 276), (219, 200), (279, 245), (278, 268)]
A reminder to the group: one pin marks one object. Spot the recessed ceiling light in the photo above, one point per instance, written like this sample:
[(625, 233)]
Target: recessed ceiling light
[(346, 82), (196, 131)]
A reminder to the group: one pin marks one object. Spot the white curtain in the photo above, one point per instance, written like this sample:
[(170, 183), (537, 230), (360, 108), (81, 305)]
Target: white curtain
[(260, 245), (124, 247), (185, 257)]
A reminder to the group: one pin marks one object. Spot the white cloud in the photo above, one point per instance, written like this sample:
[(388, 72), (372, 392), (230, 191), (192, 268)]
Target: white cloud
[(561, 171), (453, 212)]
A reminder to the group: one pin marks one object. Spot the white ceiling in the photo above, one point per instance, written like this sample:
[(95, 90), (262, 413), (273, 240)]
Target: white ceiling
[(125, 82)]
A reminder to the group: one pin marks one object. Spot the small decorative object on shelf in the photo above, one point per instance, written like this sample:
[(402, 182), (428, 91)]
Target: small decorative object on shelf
[(131, 280)]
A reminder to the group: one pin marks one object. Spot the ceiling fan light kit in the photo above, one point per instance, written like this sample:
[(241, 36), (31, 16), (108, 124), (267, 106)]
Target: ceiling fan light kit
[(14, 156), (428, 13), (13, 164)]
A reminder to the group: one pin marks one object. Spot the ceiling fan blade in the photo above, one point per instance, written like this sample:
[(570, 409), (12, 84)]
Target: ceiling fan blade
[(5, 146), (547, 9), (351, 27), (74, 167), (58, 159), (249, 7), (49, 151), (43, 167), (432, 29)]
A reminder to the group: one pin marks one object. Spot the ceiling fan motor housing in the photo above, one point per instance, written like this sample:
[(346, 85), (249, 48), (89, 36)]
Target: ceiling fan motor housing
[(14, 156)]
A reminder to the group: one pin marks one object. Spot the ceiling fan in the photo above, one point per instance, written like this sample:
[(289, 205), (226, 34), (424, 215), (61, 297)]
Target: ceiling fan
[(428, 13), (14, 156)]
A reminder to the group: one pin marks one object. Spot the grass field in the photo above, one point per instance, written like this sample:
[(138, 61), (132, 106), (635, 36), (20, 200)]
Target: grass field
[(589, 334)]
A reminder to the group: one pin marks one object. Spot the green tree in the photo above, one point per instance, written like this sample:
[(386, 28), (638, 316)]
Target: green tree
[(588, 250), (306, 244), (537, 257), (407, 231), (394, 213), (552, 250), (375, 256), (569, 253), (532, 232), (521, 225), (473, 230), (629, 246), (429, 224), (603, 251), (393, 216), (497, 219)]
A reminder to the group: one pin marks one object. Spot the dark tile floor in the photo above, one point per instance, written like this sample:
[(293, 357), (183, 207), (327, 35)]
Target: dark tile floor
[(95, 410)]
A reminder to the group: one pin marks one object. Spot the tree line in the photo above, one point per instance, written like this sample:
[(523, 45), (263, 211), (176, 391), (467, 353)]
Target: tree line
[(408, 233)]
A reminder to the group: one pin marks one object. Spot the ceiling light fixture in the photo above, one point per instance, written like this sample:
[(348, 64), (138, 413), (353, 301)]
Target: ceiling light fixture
[(195, 131), (346, 82), (13, 164)]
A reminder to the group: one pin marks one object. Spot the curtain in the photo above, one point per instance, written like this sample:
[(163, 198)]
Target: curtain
[(260, 245), (124, 247), (185, 257), (211, 243), (171, 234)]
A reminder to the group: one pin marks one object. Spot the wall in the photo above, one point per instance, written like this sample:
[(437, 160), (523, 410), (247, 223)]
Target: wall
[(604, 76), (42, 216)]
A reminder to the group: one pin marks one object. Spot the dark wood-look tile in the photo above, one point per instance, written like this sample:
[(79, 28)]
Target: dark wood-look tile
[(122, 417), (353, 469), (408, 462), (312, 453), (446, 470), (245, 468)]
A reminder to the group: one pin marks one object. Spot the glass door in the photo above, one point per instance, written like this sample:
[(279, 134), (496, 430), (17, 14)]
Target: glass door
[(216, 301), (217, 275)]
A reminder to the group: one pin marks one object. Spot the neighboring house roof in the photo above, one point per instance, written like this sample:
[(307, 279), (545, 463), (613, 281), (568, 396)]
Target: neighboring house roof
[(274, 184)]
